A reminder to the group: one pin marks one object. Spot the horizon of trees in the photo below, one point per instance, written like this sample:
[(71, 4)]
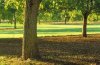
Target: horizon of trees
[(12, 11)]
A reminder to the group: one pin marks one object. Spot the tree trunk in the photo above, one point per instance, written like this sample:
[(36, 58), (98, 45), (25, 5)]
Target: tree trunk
[(0, 20), (11, 21), (15, 21), (39, 21), (97, 17), (65, 19), (85, 25), (29, 46)]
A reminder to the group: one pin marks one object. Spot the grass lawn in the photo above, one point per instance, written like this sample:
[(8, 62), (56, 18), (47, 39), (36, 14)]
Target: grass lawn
[(7, 31)]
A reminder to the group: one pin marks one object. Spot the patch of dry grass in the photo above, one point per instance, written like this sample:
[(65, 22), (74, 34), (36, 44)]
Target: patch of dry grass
[(9, 60)]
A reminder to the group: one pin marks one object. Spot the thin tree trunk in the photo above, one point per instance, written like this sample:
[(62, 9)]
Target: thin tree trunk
[(15, 21), (97, 17), (85, 25), (11, 21), (29, 46), (65, 17), (39, 21), (0, 20)]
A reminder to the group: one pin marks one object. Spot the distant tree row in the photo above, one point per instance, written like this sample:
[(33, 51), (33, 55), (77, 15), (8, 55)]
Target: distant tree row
[(62, 10), (12, 11), (49, 10)]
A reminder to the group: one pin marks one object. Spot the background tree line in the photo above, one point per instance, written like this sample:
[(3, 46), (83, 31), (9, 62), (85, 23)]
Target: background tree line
[(12, 11), (49, 11)]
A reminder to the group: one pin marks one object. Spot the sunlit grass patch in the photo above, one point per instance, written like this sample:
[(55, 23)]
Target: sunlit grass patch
[(9, 60), (45, 34), (7, 30), (11, 35)]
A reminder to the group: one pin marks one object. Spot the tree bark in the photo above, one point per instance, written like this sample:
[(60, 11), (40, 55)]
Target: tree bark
[(15, 21), (85, 25), (97, 17), (0, 20), (29, 46), (39, 22), (65, 16), (65, 19)]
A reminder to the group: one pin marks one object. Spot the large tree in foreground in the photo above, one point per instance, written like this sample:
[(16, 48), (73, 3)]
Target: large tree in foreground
[(29, 47)]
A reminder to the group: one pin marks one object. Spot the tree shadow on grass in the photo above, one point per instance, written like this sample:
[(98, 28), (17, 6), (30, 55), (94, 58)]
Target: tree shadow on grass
[(57, 50), (57, 62)]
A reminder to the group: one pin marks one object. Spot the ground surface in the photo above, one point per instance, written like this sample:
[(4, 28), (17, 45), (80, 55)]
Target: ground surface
[(64, 49), (57, 50)]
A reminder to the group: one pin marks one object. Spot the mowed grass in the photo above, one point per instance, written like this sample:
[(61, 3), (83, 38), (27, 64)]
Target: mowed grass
[(7, 31)]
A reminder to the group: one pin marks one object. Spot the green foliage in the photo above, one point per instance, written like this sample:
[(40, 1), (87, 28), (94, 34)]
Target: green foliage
[(2, 10), (97, 6), (72, 9), (87, 6), (92, 17), (50, 10), (9, 8)]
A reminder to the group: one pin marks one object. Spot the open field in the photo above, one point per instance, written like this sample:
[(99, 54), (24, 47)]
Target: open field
[(59, 49), (7, 31)]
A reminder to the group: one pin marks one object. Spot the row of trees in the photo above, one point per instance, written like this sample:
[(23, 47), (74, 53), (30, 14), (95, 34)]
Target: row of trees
[(49, 10), (62, 10), (12, 10), (30, 48)]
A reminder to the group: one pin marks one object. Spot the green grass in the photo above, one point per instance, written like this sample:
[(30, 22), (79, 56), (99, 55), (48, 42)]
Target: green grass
[(7, 31)]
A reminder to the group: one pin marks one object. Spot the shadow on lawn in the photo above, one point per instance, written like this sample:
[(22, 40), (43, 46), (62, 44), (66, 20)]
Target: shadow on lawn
[(59, 50), (58, 62)]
